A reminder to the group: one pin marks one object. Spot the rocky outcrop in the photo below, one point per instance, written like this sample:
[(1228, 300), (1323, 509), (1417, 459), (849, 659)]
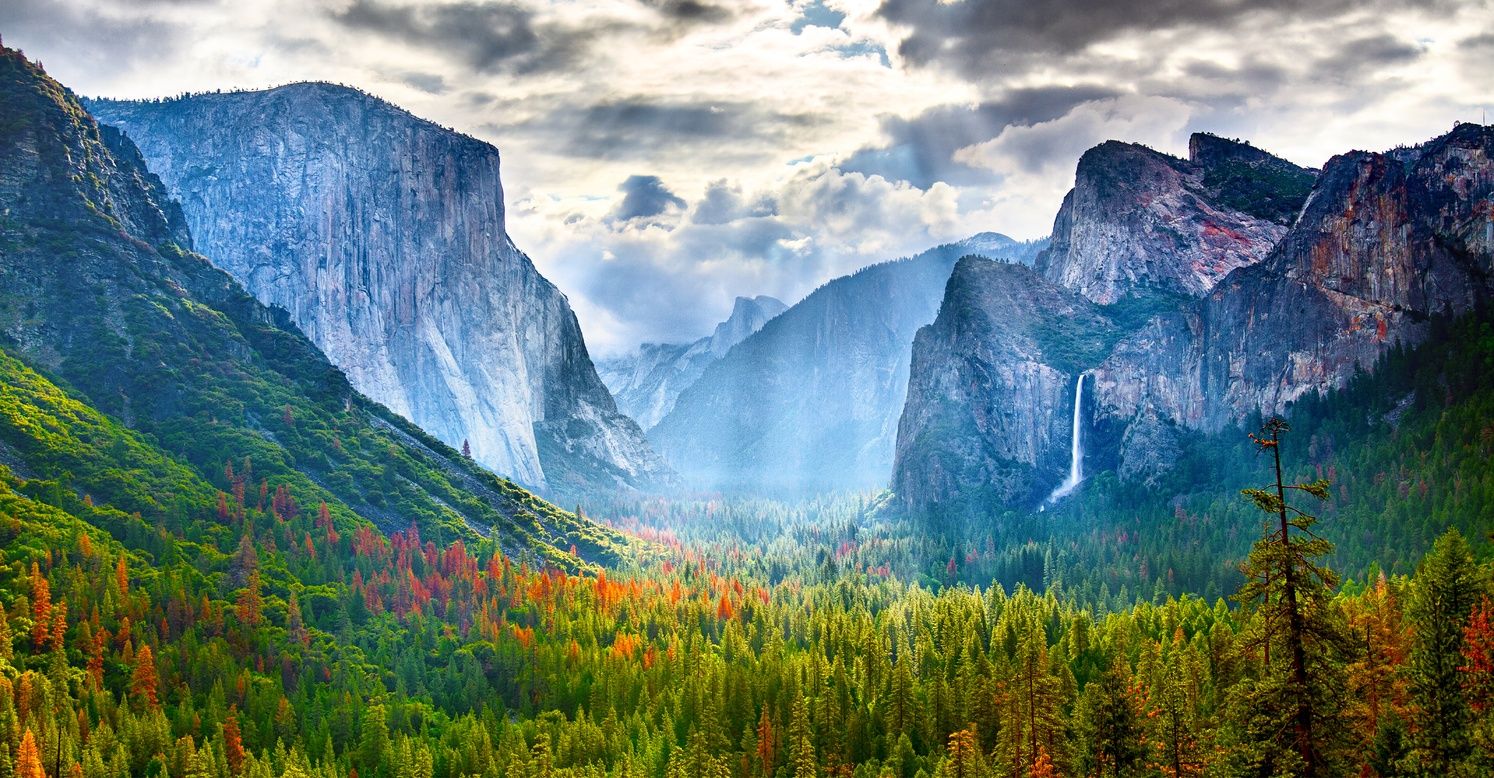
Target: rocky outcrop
[(1138, 221), (646, 382), (991, 392), (811, 402), (1383, 243), (383, 235)]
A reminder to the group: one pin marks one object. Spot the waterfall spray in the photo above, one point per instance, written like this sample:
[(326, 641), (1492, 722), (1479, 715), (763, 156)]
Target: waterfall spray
[(1076, 449)]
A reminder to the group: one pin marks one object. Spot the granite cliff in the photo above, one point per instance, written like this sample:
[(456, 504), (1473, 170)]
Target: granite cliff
[(1139, 221), (383, 236), (156, 385), (991, 390), (1384, 243), (1200, 334)]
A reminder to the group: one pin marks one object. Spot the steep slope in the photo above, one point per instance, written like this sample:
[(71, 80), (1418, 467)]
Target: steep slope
[(811, 401), (647, 382), (1386, 242), (1139, 221), (383, 235), (98, 291), (991, 387)]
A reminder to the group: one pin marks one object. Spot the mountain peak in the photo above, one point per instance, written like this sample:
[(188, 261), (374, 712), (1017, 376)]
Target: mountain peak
[(1205, 148), (1113, 154), (748, 315)]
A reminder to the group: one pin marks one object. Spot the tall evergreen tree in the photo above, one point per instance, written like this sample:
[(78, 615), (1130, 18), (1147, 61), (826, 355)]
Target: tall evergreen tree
[(1442, 598), (1112, 721), (1291, 593)]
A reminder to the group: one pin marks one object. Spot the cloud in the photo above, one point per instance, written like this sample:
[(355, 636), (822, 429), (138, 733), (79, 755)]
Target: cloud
[(636, 127), (723, 203), (95, 40), (1040, 148), (1036, 162), (921, 149), (645, 197), (986, 37), (433, 83), (819, 223), (489, 36), (1360, 57), (690, 11)]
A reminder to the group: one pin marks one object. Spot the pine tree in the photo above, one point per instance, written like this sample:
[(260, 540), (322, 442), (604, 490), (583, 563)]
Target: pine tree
[(541, 761), (801, 742), (1175, 727), (1478, 681), (122, 576), (1377, 686), (233, 743), (962, 758), (1112, 721), (28, 758), (1030, 724), (1292, 597), (144, 682), (41, 609), (1442, 598), (373, 743)]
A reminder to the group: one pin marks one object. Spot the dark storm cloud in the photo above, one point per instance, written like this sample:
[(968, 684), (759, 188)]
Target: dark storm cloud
[(639, 127), (432, 83), (689, 11), (1482, 42), (1353, 60), (488, 36), (986, 37), (922, 147), (93, 41), (645, 197)]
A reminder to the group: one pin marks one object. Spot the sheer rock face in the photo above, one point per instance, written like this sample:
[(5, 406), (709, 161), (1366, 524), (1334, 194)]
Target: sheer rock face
[(383, 235), (811, 401), (647, 382), (991, 393), (1383, 243), (1140, 221)]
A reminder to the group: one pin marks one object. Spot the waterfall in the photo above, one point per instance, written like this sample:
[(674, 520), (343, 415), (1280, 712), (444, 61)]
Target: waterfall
[(1076, 449)]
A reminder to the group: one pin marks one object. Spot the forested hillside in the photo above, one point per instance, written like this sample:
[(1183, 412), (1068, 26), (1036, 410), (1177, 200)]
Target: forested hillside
[(348, 652)]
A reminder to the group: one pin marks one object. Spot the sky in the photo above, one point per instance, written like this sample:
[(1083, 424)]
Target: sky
[(661, 157)]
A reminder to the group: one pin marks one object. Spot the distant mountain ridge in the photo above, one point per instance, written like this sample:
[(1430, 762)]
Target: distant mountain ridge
[(811, 401), (384, 237), (647, 382)]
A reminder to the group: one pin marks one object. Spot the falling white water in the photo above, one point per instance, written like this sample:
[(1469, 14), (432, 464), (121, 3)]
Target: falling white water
[(1076, 449)]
